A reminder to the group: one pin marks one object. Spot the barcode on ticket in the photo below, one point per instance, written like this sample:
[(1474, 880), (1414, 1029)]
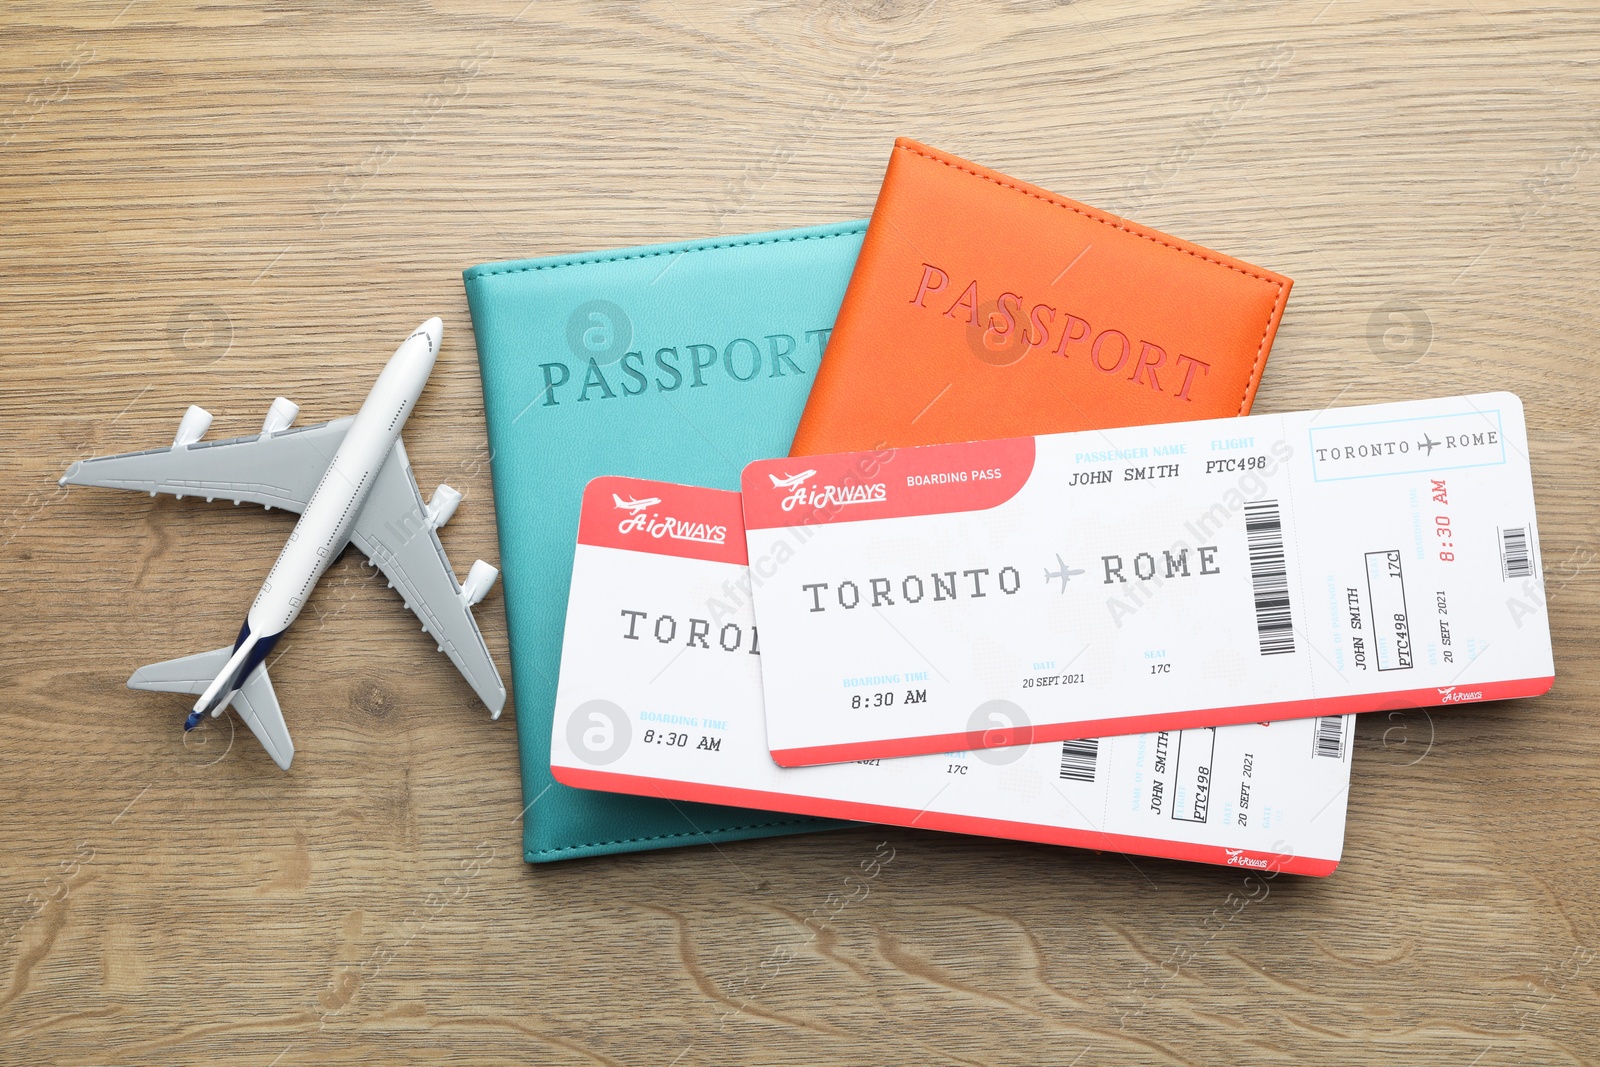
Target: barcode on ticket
[(1330, 736), (1514, 559), (1269, 577), (1078, 759)]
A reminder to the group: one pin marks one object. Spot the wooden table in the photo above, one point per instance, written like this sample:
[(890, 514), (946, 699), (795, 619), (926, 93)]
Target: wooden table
[(219, 203)]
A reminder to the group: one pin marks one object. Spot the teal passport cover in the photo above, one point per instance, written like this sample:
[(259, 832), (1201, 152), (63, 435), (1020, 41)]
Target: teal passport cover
[(680, 362)]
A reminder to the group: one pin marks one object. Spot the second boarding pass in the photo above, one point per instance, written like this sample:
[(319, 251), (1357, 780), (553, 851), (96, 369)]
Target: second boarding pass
[(1162, 577), (660, 695)]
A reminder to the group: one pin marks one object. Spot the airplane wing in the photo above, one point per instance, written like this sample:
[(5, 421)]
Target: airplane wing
[(396, 535), (256, 702), (278, 470)]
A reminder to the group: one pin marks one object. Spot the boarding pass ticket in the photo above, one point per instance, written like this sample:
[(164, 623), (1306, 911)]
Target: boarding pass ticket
[(1155, 577), (660, 695)]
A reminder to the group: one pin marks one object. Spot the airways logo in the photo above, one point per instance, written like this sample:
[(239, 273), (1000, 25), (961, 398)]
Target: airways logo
[(641, 520), (822, 496), (1237, 858), (1451, 695)]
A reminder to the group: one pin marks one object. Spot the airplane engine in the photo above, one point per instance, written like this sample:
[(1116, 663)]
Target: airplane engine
[(479, 580), (280, 416), (442, 505), (196, 421)]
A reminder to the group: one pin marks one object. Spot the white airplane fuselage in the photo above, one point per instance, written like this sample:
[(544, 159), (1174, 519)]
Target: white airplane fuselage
[(325, 524)]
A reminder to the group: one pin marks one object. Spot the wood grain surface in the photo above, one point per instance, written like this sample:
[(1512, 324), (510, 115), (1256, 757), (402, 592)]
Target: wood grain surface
[(218, 203)]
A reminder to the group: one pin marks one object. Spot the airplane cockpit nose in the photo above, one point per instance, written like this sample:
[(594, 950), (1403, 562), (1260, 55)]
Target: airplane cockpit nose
[(434, 328)]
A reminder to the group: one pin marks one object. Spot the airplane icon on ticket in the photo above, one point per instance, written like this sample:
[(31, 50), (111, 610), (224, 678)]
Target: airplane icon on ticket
[(1064, 574), (635, 506), (793, 481)]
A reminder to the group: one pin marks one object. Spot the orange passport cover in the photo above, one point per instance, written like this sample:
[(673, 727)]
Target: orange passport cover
[(983, 307)]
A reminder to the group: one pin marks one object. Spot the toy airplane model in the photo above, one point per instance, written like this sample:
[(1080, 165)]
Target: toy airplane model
[(351, 483)]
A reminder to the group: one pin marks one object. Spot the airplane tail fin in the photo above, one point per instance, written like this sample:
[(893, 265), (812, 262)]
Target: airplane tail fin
[(256, 701), (228, 678), (618, 499), (775, 482)]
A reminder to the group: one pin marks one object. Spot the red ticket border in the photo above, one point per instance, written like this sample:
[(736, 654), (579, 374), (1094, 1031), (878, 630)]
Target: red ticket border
[(1237, 859), (1175, 720)]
